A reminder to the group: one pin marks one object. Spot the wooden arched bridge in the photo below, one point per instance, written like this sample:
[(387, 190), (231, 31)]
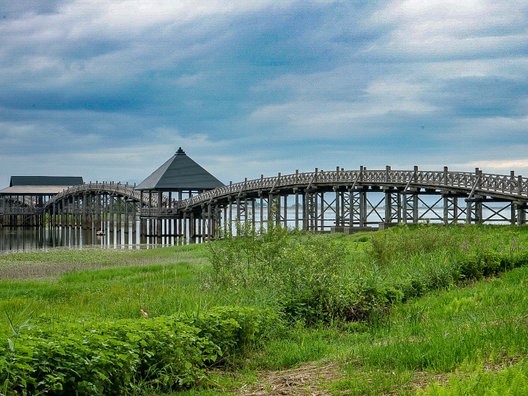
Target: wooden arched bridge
[(94, 204), (337, 200), (347, 200)]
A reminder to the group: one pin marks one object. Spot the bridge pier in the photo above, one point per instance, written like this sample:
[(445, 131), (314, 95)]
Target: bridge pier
[(521, 212)]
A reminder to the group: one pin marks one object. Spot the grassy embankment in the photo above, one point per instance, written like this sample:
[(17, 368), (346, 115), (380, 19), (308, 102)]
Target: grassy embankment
[(420, 309)]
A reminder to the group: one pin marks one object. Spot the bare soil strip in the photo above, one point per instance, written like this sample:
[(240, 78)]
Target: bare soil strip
[(40, 270), (304, 380)]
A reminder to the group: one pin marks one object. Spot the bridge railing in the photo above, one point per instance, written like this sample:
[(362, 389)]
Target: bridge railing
[(19, 210), (509, 186), (107, 187), (504, 185)]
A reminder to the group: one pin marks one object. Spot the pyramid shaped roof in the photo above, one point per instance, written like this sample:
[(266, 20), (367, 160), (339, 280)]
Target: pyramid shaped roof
[(180, 172)]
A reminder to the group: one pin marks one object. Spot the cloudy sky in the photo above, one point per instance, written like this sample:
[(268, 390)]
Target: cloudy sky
[(109, 89)]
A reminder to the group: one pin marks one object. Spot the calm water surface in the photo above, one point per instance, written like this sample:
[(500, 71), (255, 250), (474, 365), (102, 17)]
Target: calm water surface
[(36, 238)]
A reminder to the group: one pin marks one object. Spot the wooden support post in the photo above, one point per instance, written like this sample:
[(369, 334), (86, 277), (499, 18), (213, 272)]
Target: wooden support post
[(478, 212), (446, 203), (261, 212), (350, 207), (238, 211), (388, 206), (225, 219), (125, 218), (315, 211), (521, 213), (183, 229), (179, 224), (342, 196), (143, 227), (338, 222), (198, 221), (416, 215), (363, 208), (192, 228), (230, 217), (253, 215), (455, 209), (296, 207), (271, 209), (322, 209), (469, 211), (305, 210), (285, 210), (170, 222), (210, 222)]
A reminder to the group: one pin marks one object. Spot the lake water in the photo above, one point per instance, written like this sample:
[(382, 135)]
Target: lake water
[(33, 238)]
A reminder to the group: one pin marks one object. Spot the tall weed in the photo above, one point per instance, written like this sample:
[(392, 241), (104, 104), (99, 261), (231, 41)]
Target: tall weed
[(300, 270)]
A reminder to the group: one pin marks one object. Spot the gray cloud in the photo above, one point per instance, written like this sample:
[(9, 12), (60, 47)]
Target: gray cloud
[(111, 89)]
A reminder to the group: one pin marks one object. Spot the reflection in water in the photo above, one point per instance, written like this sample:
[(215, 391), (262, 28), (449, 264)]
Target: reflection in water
[(32, 238), (117, 235)]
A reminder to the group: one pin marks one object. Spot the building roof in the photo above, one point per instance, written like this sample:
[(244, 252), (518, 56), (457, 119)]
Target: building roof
[(40, 185), (32, 190), (45, 181), (180, 172)]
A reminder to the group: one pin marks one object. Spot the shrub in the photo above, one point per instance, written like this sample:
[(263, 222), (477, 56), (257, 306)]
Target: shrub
[(310, 279), (126, 356), (301, 270), (107, 358), (234, 329)]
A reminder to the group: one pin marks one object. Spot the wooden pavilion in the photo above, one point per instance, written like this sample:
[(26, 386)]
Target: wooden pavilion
[(178, 178)]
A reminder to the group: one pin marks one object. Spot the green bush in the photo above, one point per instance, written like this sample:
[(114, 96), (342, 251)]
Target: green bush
[(107, 358), (314, 279), (127, 356), (300, 270), (234, 329)]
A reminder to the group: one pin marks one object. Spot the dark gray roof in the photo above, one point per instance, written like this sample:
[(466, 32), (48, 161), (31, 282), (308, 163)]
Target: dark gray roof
[(180, 173), (45, 181), (32, 190)]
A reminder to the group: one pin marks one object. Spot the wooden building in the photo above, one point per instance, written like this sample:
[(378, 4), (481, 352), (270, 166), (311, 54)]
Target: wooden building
[(23, 202)]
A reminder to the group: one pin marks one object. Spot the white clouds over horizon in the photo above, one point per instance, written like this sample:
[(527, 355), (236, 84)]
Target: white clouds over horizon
[(261, 86)]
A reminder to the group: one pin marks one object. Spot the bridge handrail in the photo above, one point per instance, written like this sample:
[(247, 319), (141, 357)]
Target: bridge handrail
[(508, 186), (505, 185), (110, 187)]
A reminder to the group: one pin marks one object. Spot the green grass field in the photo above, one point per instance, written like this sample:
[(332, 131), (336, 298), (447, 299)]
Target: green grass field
[(409, 310)]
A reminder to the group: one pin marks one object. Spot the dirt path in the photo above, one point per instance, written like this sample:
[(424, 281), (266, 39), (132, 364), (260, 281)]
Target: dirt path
[(38, 270), (304, 380)]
